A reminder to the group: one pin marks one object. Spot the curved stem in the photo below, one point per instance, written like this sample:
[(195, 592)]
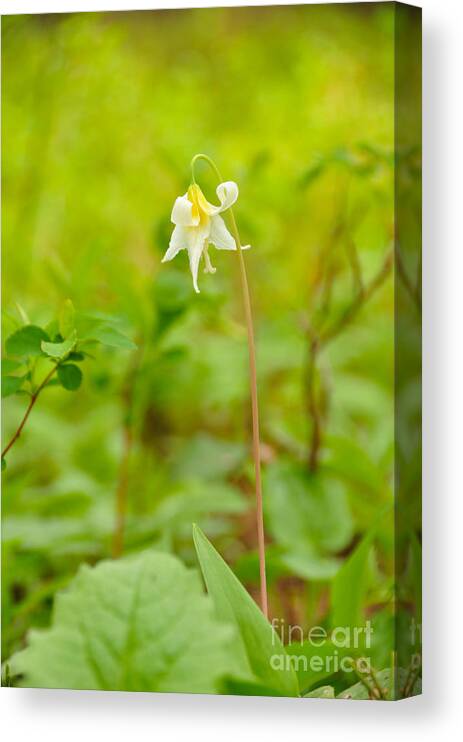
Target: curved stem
[(31, 404), (253, 389)]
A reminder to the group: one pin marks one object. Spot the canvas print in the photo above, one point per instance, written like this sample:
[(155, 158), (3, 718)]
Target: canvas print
[(211, 361)]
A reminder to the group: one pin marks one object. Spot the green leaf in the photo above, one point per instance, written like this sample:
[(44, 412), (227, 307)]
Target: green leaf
[(258, 648), (108, 335), (306, 513), (360, 692), (11, 384), (137, 624), (350, 585), (26, 341), (310, 565), (67, 318), (325, 691), (313, 660), (70, 376), (3, 464), (8, 366), (204, 456), (59, 351), (246, 688)]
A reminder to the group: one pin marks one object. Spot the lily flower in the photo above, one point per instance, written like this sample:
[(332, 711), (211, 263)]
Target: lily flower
[(198, 224)]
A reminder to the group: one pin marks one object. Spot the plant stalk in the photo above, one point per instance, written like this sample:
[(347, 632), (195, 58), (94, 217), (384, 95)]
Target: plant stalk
[(31, 404), (253, 390)]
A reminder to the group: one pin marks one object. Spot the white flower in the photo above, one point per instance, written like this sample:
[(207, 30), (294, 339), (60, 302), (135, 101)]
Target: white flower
[(197, 223)]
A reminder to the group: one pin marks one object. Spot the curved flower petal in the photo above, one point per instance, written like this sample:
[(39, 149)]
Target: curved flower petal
[(207, 261), (195, 250), (221, 237), (183, 213), (227, 194), (178, 241)]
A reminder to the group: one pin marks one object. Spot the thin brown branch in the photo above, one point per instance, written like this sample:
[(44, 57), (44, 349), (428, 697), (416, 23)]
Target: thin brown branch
[(29, 409), (359, 301), (317, 342)]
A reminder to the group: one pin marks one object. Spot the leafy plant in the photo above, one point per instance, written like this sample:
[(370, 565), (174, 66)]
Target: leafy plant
[(40, 357), (138, 624)]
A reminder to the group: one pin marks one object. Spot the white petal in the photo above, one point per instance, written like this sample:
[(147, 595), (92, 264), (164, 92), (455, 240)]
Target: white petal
[(197, 241), (182, 213), (227, 193), (209, 267), (178, 241), (221, 237)]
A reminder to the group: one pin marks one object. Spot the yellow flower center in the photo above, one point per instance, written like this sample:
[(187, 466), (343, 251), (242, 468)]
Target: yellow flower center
[(200, 205)]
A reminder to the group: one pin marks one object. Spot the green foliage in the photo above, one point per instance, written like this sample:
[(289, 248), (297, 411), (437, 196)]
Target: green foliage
[(381, 683), (32, 343), (11, 384), (257, 642), (308, 514), (70, 376), (120, 626), (26, 342), (350, 586), (60, 351)]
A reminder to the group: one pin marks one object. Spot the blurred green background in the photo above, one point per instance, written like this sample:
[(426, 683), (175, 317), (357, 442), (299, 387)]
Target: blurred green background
[(101, 116)]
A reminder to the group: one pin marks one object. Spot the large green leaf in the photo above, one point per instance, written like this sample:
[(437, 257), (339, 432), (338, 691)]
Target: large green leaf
[(26, 341), (260, 649), (140, 624)]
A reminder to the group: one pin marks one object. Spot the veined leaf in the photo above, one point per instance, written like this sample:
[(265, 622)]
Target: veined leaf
[(27, 341), (259, 645), (139, 624)]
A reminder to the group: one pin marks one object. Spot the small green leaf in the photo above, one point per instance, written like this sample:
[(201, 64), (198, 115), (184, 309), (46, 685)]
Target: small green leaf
[(66, 318), (259, 649), (108, 335), (26, 341), (60, 351), (9, 366), (11, 384), (70, 376), (3, 464)]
